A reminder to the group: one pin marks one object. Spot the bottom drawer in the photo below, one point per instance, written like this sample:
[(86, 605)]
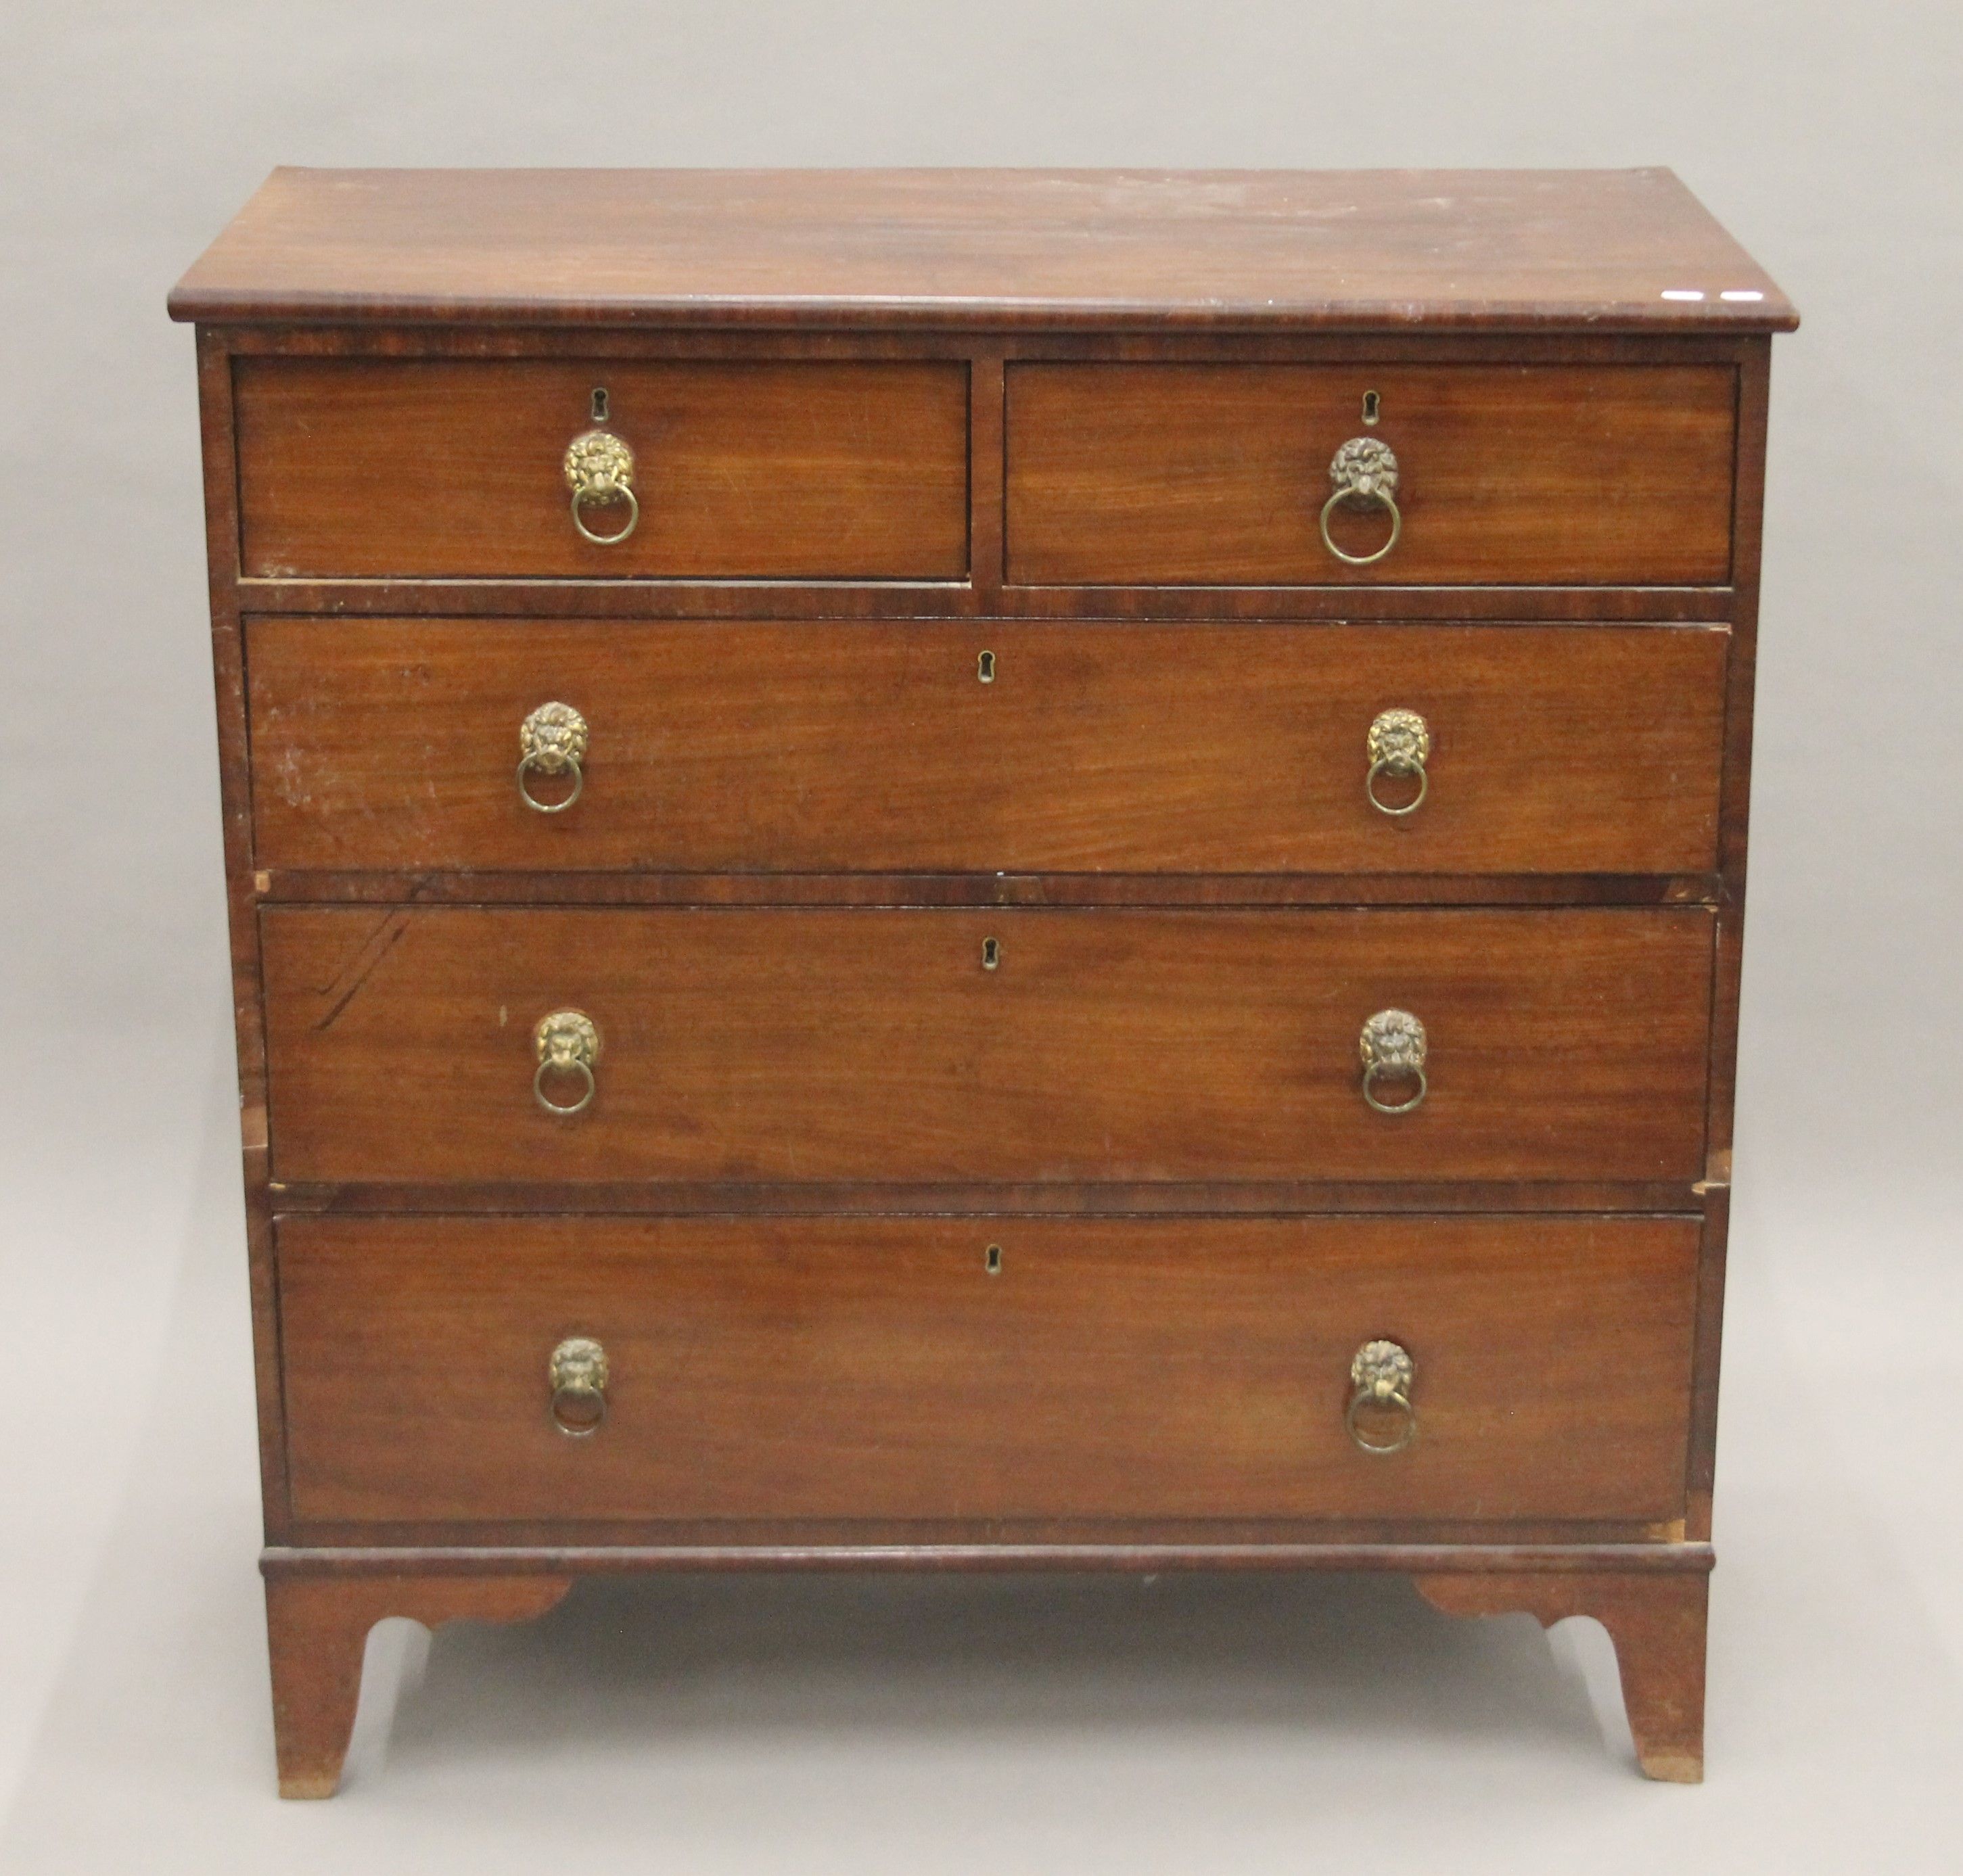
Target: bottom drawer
[(845, 1367)]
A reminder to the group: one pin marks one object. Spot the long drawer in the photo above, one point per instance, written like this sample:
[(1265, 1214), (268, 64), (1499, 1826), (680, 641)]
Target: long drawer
[(396, 744), (1509, 474), (797, 1045), (864, 1369), (456, 469)]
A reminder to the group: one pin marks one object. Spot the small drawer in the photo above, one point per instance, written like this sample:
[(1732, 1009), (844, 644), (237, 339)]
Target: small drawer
[(445, 1369), (454, 468), (431, 1044), (698, 746), (1254, 475)]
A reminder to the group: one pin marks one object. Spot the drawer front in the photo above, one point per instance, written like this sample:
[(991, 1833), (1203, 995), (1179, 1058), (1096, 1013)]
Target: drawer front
[(876, 1369), (452, 469), (1507, 475), (393, 744), (1128, 1045)]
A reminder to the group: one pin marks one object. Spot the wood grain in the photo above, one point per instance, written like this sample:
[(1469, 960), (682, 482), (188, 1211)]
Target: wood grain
[(600, 598), (1108, 1045), (1216, 474), (228, 659), (1505, 249), (1215, 1198), (283, 886), (874, 1368), (452, 469), (1211, 749)]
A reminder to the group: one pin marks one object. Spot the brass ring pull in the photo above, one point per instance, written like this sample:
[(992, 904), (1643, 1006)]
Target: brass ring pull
[(566, 1042), (1400, 745), (1382, 1376), (581, 496), (1370, 789), (1364, 473), (1375, 1072), (574, 1066), (600, 471), (552, 742), (1393, 1047), (579, 1374)]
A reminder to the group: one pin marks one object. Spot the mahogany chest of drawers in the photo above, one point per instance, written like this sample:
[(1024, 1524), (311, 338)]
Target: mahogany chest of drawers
[(984, 870)]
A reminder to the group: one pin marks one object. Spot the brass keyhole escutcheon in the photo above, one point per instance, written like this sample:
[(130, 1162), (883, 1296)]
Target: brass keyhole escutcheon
[(991, 1260), (1372, 407), (984, 667), (992, 954), (600, 413)]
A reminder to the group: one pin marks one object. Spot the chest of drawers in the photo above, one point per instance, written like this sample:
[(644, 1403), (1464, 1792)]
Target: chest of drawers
[(963, 869)]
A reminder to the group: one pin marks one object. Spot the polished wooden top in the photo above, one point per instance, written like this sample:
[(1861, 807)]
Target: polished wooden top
[(1489, 250)]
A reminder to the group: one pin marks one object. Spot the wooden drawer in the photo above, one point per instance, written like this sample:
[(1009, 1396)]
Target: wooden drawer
[(391, 744), (455, 469), (1510, 475), (1105, 1045), (874, 1368)]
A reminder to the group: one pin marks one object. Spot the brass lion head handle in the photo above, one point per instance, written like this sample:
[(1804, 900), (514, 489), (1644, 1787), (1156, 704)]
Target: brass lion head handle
[(566, 1043), (1399, 747), (552, 741), (600, 472), (1381, 1378), (1363, 474), (1393, 1047), (579, 1373)]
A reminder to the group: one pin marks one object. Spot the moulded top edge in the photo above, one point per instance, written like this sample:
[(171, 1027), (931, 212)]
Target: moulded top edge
[(1496, 250)]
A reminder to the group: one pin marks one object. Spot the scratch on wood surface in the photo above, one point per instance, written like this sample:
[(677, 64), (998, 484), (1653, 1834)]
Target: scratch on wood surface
[(380, 943), (377, 933)]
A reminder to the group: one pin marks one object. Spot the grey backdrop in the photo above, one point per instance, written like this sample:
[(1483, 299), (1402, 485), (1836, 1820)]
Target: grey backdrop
[(1072, 1726)]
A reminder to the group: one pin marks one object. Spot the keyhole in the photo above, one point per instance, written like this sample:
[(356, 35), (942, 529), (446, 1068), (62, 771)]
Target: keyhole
[(1371, 404), (992, 953), (600, 403), (992, 1262), (984, 667)]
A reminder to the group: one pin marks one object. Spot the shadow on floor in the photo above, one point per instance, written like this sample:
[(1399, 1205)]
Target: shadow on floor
[(681, 1661)]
